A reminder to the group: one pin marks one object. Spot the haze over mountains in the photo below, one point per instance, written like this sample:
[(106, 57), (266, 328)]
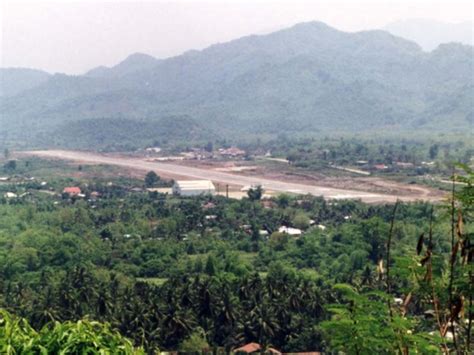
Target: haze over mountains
[(16, 80), (429, 34), (309, 78)]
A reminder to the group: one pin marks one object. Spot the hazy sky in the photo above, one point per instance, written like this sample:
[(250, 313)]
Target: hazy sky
[(74, 36)]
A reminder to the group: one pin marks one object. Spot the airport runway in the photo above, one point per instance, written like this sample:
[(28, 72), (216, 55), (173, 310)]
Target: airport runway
[(190, 173)]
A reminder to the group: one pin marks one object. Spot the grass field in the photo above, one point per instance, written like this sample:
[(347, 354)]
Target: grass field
[(153, 280)]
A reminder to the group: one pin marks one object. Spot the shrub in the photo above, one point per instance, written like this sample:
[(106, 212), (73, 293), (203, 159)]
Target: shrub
[(81, 337)]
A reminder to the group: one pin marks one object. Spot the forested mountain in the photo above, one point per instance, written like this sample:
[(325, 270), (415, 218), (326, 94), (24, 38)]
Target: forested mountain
[(308, 78), (16, 80), (133, 63), (123, 134)]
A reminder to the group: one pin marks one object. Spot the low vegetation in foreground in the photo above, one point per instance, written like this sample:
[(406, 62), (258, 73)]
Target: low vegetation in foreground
[(88, 271), (81, 337)]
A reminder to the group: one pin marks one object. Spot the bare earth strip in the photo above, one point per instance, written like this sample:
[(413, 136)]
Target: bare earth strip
[(225, 178)]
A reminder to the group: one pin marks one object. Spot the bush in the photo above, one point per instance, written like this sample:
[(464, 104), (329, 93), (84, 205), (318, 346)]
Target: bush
[(195, 343), (81, 337), (301, 221)]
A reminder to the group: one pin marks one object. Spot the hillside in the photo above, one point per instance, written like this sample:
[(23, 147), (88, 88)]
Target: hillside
[(123, 134), (17, 80), (133, 63), (309, 78)]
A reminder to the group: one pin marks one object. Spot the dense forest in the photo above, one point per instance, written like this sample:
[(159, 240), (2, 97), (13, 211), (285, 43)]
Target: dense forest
[(191, 274)]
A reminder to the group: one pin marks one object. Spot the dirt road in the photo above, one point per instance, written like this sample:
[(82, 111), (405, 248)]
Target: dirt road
[(221, 177)]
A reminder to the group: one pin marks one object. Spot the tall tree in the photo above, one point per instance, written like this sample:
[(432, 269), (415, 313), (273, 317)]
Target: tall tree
[(151, 179)]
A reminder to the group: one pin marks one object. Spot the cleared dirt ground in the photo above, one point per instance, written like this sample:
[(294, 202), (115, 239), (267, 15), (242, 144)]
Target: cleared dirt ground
[(274, 177), (283, 172)]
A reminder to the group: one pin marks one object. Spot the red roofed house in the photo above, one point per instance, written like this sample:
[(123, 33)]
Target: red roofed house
[(380, 166), (251, 348), (72, 191)]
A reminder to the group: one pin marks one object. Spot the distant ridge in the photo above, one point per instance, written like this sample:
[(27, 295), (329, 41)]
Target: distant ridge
[(134, 62), (15, 80), (429, 34), (306, 79)]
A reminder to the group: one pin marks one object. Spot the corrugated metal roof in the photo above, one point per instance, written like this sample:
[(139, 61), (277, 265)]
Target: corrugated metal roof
[(195, 184)]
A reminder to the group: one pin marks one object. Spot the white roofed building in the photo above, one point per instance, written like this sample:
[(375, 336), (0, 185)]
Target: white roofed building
[(193, 187), (289, 230)]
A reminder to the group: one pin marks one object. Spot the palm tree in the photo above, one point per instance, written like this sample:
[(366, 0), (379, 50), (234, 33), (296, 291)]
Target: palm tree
[(226, 315), (44, 309), (262, 324), (176, 325), (104, 302)]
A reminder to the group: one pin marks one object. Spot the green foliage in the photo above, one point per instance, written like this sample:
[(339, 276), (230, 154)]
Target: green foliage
[(10, 166), (466, 194), (255, 193), (156, 268), (151, 179), (278, 241), (210, 267), (124, 134), (361, 324), (301, 221), (81, 337), (195, 343), (407, 157)]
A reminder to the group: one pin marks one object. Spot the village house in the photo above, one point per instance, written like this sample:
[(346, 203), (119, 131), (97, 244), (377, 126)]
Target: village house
[(247, 228), (193, 187), (256, 348), (197, 154), (253, 348), (247, 188), (380, 167), (268, 204), (72, 191), (404, 165), (232, 152), (208, 205), (153, 150), (290, 230), (263, 233)]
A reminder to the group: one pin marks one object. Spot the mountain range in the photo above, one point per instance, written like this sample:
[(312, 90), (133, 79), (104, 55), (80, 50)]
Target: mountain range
[(309, 78)]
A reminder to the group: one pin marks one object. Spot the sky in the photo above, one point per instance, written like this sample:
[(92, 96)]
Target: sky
[(74, 36)]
